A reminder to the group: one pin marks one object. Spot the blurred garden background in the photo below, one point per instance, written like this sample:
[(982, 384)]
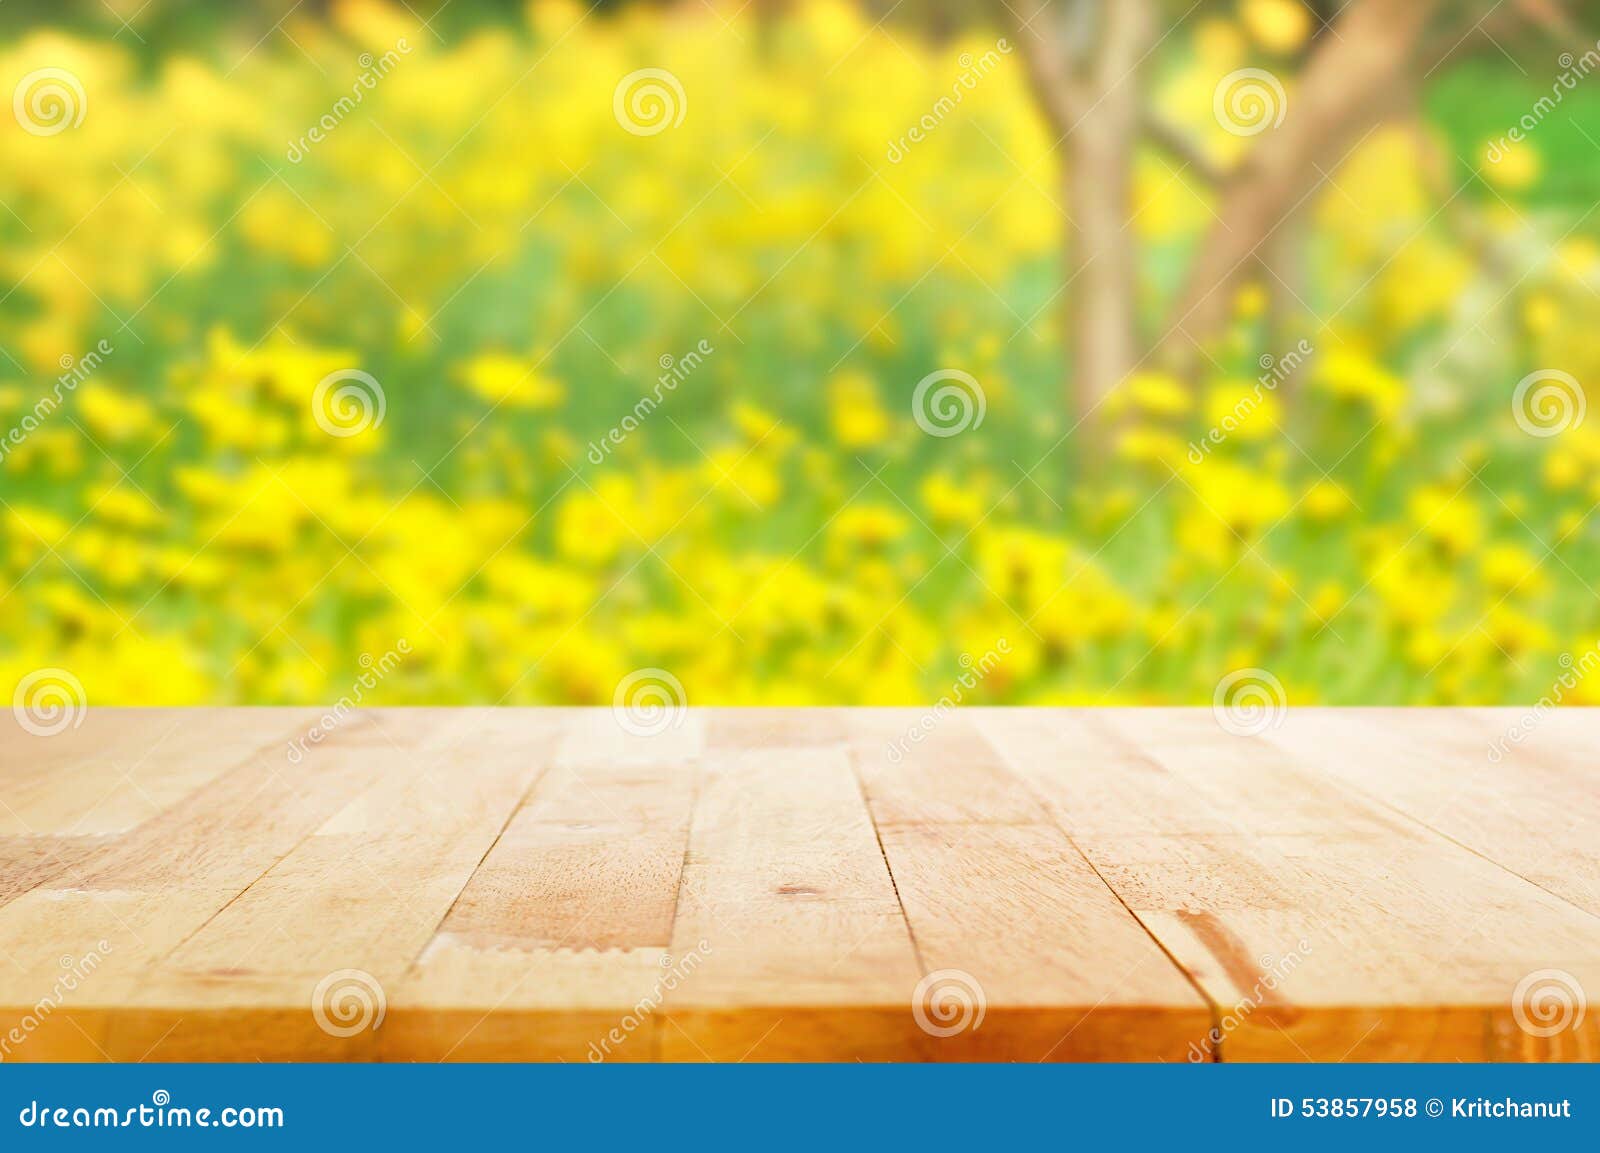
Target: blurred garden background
[(1051, 351)]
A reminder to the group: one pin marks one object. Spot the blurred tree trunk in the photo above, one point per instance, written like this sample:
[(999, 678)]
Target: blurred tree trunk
[(1352, 79), (1084, 60)]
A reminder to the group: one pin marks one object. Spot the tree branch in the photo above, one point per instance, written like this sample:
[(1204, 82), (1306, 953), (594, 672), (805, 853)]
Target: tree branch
[(1344, 91), (1173, 140), (1045, 51)]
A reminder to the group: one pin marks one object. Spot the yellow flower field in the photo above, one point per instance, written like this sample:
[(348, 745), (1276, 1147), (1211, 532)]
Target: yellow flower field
[(509, 380)]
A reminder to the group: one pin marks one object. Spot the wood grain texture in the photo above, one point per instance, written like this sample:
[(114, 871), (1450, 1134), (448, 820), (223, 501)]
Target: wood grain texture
[(1321, 926), (999, 900), (771, 884)]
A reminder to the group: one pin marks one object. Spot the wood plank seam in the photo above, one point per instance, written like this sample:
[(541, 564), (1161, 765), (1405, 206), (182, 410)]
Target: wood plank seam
[(1021, 846), (1215, 1036), (239, 894), (877, 832), (1371, 798), (657, 1024), (411, 965), (65, 870), (1427, 824)]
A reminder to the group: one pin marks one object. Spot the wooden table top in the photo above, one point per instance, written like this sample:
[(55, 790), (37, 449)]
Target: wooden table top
[(800, 884)]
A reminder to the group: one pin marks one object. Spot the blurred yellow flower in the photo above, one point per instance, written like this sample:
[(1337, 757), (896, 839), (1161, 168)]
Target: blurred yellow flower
[(1513, 165), (1277, 25), (1447, 517), (1508, 568), (252, 554), (868, 526), (954, 502), (511, 380), (1326, 500), (116, 417), (854, 413), (1157, 394), (1353, 377)]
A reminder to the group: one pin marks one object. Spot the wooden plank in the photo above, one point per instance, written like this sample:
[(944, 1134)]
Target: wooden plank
[(1007, 913), (1526, 803), (128, 766), (78, 958), (27, 863), (232, 830), (591, 862), (913, 773), (1322, 928), (771, 884), (734, 730), (362, 896), (145, 892), (1013, 917), (787, 904), (558, 947), (461, 1003)]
